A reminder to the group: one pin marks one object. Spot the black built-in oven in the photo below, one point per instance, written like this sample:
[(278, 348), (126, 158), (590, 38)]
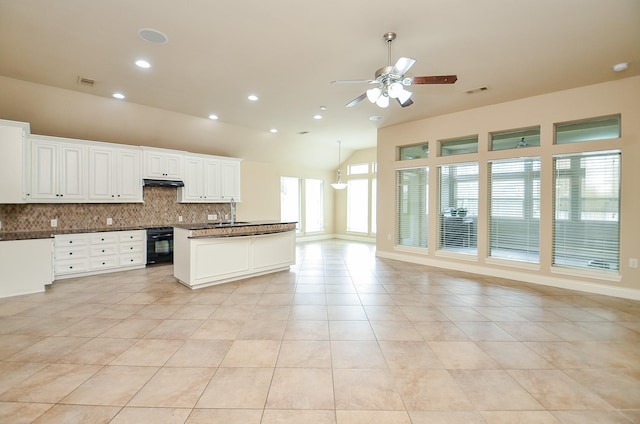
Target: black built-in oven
[(159, 245)]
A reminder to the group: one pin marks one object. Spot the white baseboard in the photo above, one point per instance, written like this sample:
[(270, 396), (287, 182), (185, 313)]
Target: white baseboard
[(527, 277)]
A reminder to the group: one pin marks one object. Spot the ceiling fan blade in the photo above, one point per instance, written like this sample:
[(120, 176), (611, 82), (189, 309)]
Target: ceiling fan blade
[(402, 66), (357, 100), (434, 79), (409, 102), (362, 81)]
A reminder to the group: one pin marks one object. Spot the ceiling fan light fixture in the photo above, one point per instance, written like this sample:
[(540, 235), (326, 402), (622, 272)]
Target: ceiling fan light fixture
[(383, 101), (404, 96), (373, 94), (395, 89)]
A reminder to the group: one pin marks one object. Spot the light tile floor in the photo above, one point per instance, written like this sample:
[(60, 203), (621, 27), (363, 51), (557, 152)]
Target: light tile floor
[(342, 338)]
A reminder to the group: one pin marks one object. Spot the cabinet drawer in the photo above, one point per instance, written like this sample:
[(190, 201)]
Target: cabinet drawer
[(132, 259), (71, 266), (71, 240), (103, 238), (104, 250), (104, 262), (133, 247), (132, 236), (70, 252)]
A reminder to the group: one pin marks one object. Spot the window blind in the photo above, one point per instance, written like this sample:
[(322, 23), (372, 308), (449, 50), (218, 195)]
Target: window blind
[(586, 228), (459, 207), (412, 206), (514, 209), (358, 205), (314, 205)]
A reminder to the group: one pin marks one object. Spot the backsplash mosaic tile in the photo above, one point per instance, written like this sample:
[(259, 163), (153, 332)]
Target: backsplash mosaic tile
[(160, 208)]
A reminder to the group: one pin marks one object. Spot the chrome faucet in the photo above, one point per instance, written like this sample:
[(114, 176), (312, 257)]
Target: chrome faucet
[(233, 210)]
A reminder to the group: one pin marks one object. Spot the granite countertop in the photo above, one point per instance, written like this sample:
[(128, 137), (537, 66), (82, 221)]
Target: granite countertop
[(237, 229), (220, 230), (31, 235)]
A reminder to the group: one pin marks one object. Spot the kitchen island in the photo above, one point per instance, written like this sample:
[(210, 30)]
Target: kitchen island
[(209, 254)]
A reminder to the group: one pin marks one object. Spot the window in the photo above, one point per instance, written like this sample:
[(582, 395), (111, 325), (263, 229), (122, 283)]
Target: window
[(586, 228), (514, 213), (459, 207), (358, 205), (418, 151), (412, 206), (290, 200), (459, 146), (604, 128), (374, 201), (515, 139), (358, 169), (314, 205)]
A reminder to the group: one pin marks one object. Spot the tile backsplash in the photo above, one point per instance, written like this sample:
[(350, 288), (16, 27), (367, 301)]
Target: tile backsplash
[(160, 208)]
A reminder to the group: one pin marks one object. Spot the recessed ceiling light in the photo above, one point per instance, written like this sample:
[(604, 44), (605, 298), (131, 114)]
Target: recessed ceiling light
[(118, 96), (213, 116), (323, 108), (619, 67), (153, 36), (317, 116), (375, 118), (141, 63), (273, 130), (253, 97)]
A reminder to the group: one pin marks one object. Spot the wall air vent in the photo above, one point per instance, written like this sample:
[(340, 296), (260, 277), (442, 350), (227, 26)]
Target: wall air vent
[(88, 82)]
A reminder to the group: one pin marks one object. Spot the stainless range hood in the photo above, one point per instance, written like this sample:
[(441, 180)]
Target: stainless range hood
[(162, 183)]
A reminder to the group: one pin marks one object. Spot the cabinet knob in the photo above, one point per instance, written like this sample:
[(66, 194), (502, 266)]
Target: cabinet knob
[(102, 263), (113, 195), (101, 239), (118, 195), (70, 241), (131, 248), (71, 267), (102, 250), (70, 253)]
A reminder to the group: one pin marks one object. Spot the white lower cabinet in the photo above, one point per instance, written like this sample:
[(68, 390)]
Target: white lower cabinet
[(204, 261), (94, 253)]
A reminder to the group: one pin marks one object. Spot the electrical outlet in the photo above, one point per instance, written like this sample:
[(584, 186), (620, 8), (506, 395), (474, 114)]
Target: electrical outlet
[(210, 217), (633, 262), (180, 218), (54, 223), (109, 221)]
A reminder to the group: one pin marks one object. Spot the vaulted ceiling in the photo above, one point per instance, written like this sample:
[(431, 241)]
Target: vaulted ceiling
[(288, 52)]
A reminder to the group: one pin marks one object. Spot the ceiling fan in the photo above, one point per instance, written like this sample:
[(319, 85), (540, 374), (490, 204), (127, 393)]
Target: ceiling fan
[(391, 81)]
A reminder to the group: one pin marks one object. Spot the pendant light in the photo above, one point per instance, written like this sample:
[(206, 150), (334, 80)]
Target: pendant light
[(339, 185)]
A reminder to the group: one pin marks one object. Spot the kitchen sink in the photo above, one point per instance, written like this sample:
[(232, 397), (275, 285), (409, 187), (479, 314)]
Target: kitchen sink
[(231, 224)]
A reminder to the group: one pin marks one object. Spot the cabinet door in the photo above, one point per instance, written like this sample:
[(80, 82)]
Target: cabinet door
[(128, 178), (163, 166), (193, 181), (173, 167), (101, 174), (44, 170), (211, 180), (12, 169), (230, 180), (72, 177)]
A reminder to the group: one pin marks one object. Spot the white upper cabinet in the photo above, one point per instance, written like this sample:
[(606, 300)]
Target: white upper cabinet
[(230, 179), (13, 139), (210, 179), (115, 174), (58, 171), (163, 164)]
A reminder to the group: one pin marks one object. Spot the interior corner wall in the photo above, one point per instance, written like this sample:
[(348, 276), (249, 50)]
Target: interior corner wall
[(611, 98)]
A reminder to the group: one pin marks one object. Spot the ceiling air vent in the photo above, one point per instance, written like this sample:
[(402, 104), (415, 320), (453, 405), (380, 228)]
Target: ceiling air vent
[(88, 82), (303, 132), (476, 90)]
